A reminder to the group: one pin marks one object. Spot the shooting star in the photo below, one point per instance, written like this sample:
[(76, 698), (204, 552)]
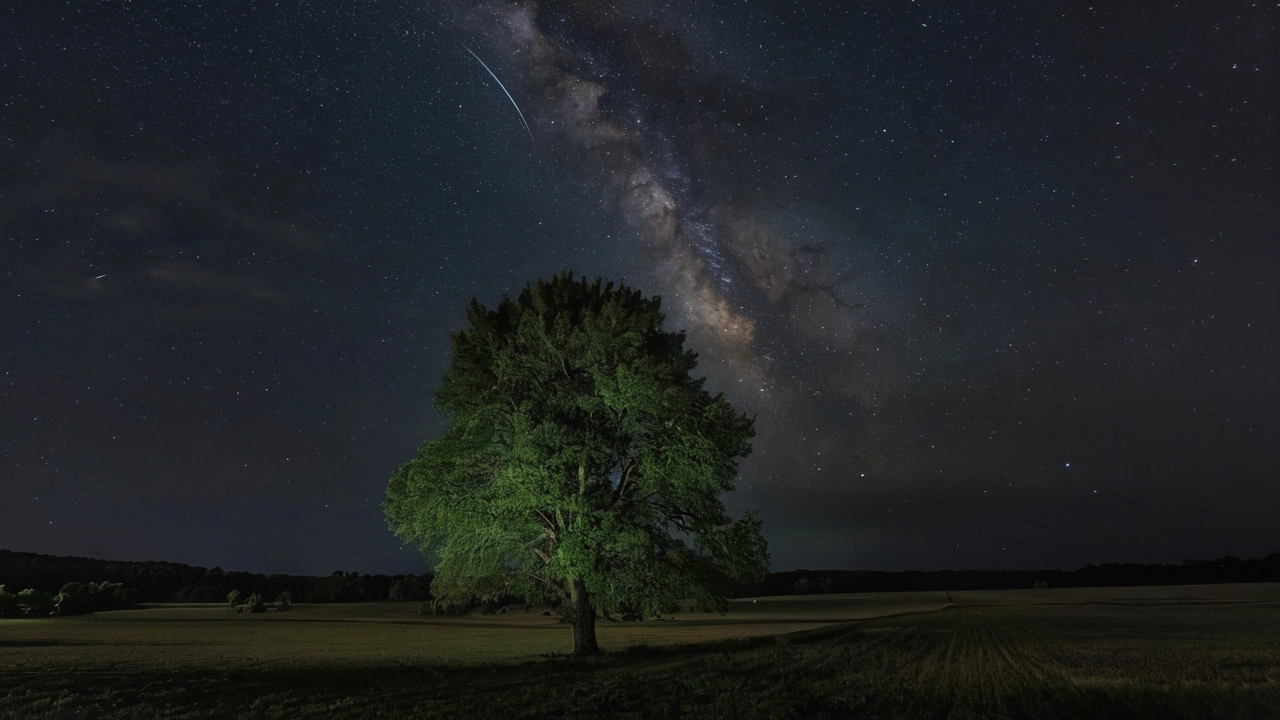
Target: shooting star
[(100, 277), (504, 89)]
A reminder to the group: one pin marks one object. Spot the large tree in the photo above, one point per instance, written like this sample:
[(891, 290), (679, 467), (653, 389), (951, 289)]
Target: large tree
[(582, 462)]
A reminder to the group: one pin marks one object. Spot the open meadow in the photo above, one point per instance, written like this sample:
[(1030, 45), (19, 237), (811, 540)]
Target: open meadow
[(1209, 651)]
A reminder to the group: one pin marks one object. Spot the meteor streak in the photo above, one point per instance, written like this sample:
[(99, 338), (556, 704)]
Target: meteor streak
[(504, 89)]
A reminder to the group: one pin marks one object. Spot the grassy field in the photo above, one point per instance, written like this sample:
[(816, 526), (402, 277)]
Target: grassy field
[(1169, 652)]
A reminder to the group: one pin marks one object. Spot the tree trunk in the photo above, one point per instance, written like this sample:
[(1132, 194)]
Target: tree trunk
[(583, 618)]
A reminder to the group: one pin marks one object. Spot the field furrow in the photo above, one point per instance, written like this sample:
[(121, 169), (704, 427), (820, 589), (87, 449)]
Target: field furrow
[(991, 655)]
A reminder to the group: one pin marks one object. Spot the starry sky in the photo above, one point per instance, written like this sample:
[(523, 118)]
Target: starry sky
[(998, 282)]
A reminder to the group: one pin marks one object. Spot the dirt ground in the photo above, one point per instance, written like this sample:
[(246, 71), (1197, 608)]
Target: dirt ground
[(181, 637)]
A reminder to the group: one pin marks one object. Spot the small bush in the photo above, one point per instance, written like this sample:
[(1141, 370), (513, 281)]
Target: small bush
[(233, 597), (75, 598), (830, 584), (110, 596), (36, 602), (254, 604), (284, 601), (804, 586)]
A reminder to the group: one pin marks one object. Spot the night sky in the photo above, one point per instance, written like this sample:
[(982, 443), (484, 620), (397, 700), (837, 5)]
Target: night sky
[(999, 283)]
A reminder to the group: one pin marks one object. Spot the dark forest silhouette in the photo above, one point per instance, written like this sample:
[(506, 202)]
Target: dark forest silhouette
[(157, 581), (1227, 569)]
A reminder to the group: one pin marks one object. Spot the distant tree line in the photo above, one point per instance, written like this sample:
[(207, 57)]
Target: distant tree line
[(1228, 569), (177, 582), (73, 598), (47, 577)]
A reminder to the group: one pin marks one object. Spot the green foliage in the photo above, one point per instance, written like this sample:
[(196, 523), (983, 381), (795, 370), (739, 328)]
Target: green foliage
[(804, 586), (109, 596), (284, 601), (36, 602), (233, 597), (582, 462), (254, 604), (75, 598), (78, 598)]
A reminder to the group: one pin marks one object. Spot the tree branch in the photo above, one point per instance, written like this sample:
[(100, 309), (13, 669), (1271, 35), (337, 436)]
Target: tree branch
[(622, 484), (551, 527), (548, 582)]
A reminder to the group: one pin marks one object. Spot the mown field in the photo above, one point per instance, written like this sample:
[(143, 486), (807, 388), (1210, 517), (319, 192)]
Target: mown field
[(1168, 652)]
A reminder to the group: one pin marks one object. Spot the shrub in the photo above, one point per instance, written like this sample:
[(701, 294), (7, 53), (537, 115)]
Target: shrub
[(284, 601), (75, 598), (232, 597), (109, 596), (804, 586), (830, 584), (254, 604), (35, 602)]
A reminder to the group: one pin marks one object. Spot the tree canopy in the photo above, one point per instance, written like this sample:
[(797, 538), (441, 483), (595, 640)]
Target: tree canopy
[(582, 462)]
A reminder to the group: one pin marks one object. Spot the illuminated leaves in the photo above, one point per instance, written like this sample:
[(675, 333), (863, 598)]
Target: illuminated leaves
[(579, 449)]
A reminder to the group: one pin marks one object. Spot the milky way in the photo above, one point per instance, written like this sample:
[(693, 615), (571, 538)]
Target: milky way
[(867, 381), (623, 99), (997, 282), (772, 290)]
